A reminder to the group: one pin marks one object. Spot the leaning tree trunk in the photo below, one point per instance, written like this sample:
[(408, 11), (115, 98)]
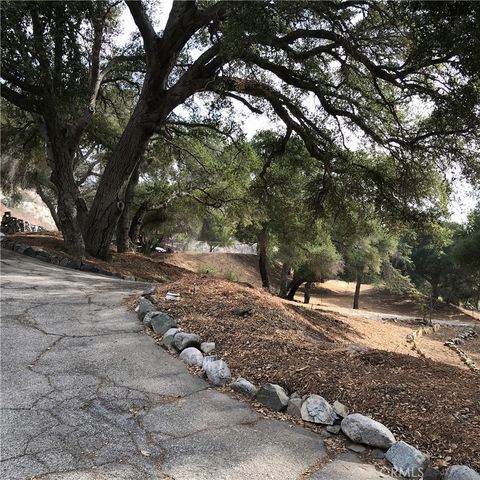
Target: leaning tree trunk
[(262, 240), (293, 287), (356, 297), (284, 280), (123, 225), (306, 295), (151, 111)]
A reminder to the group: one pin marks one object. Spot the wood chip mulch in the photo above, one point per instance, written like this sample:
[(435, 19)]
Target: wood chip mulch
[(432, 405)]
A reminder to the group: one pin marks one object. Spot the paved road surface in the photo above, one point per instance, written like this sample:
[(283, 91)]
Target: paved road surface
[(87, 395)]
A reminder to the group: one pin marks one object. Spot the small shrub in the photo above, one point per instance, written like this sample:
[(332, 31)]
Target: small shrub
[(232, 276), (207, 270)]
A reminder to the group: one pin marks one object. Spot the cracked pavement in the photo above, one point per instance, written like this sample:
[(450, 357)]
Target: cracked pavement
[(86, 395)]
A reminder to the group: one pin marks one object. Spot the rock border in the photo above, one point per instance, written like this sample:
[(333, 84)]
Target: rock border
[(44, 256), (453, 343), (362, 431), (414, 337)]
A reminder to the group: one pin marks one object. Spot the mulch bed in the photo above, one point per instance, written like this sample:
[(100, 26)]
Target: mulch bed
[(431, 405)]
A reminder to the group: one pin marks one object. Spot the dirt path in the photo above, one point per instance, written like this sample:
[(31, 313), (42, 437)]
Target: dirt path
[(395, 316)]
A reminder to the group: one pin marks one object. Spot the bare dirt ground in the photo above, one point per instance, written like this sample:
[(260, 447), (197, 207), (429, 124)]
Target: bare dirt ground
[(364, 362), (233, 266), (338, 295)]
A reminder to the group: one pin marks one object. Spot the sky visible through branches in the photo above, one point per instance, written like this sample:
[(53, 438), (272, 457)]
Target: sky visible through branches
[(464, 195)]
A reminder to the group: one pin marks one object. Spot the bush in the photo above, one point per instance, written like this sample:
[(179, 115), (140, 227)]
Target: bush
[(207, 270), (232, 276)]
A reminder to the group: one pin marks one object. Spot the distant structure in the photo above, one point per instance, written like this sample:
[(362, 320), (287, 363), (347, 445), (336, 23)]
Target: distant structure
[(202, 247), (14, 225)]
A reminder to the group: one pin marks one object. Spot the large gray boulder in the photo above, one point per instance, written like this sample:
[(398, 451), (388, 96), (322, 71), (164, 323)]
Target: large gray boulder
[(207, 347), (144, 306), (161, 322), (192, 356), (317, 410), (362, 429), (272, 396), (149, 292), (407, 461), (20, 248), (461, 472), (167, 339), (207, 360), (217, 372), (184, 340), (242, 385), (294, 407)]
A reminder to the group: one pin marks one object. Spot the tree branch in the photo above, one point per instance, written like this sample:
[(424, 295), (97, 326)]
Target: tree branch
[(144, 25), (47, 201), (23, 102)]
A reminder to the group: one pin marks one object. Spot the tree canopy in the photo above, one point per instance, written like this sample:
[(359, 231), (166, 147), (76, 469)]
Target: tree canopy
[(374, 102)]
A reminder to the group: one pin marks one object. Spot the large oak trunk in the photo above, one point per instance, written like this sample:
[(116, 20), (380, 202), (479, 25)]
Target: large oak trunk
[(71, 208), (109, 201), (151, 111)]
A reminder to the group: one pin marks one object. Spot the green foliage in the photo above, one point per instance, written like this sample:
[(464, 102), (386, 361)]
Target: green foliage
[(232, 276), (445, 262), (208, 270), (216, 230), (395, 281), (365, 248), (466, 250)]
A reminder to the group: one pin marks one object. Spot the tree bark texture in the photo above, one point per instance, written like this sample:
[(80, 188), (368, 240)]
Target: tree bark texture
[(137, 222), (71, 208), (123, 225), (293, 287), (262, 245), (284, 280), (356, 297), (306, 294)]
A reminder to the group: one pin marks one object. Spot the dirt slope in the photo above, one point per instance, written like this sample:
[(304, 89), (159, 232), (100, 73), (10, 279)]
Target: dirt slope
[(32, 209), (232, 266)]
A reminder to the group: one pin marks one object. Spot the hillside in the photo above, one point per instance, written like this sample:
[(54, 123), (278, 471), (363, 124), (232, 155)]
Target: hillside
[(333, 295), (233, 266), (31, 209)]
